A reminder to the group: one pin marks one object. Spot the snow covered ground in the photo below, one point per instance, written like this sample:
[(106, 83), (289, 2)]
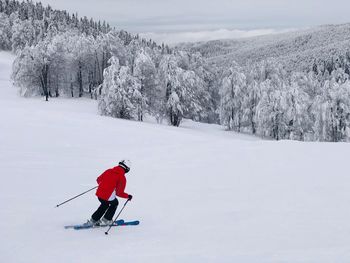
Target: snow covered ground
[(201, 194)]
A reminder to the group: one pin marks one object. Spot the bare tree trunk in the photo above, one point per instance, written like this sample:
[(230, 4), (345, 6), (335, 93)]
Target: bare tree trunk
[(80, 80), (44, 81), (72, 89), (90, 78), (57, 86), (99, 69)]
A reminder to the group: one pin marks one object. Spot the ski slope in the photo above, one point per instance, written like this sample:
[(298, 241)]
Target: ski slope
[(201, 194)]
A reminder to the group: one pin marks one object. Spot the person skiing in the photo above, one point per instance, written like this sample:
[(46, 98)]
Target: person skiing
[(111, 184)]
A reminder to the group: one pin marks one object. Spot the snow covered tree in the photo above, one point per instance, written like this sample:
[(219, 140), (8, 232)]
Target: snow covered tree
[(133, 48), (32, 68), (104, 47), (231, 92), (250, 103), (23, 33), (333, 112), (271, 111), (80, 48), (170, 74), (60, 65), (185, 94), (120, 96), (297, 112), (193, 96), (174, 109), (145, 71), (209, 87), (5, 32)]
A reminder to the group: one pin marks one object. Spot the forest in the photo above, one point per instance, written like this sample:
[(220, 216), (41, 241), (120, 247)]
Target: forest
[(262, 90)]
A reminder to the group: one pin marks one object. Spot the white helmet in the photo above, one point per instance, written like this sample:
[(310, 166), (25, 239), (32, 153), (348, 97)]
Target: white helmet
[(126, 164)]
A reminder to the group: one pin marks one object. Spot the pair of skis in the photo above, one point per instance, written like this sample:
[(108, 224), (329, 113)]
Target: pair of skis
[(115, 224)]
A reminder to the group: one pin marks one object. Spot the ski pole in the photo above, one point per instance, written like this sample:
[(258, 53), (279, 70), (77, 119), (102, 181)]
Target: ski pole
[(76, 196), (116, 218)]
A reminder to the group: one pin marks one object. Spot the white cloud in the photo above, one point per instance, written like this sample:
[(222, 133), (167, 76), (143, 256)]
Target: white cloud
[(139, 16), (197, 36)]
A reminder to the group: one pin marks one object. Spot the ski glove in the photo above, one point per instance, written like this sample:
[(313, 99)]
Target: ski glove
[(129, 197)]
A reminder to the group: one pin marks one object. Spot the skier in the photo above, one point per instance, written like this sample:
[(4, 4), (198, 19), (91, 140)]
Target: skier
[(110, 185)]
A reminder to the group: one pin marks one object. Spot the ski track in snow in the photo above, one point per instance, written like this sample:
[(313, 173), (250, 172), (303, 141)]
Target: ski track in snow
[(201, 194)]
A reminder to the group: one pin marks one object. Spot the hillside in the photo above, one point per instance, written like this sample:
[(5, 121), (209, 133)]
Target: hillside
[(201, 194), (292, 96), (297, 50)]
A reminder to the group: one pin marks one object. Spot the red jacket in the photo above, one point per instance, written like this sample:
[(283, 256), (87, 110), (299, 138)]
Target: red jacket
[(111, 180)]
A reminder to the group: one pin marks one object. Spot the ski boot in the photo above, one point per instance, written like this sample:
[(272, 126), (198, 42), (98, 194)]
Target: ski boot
[(92, 222), (106, 222)]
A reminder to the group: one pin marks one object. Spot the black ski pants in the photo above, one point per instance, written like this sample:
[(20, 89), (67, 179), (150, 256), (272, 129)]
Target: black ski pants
[(106, 208)]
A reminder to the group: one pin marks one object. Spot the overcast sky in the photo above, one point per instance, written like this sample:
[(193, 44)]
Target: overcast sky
[(182, 20)]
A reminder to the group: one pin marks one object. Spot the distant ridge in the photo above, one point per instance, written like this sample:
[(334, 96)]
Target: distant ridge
[(297, 50)]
